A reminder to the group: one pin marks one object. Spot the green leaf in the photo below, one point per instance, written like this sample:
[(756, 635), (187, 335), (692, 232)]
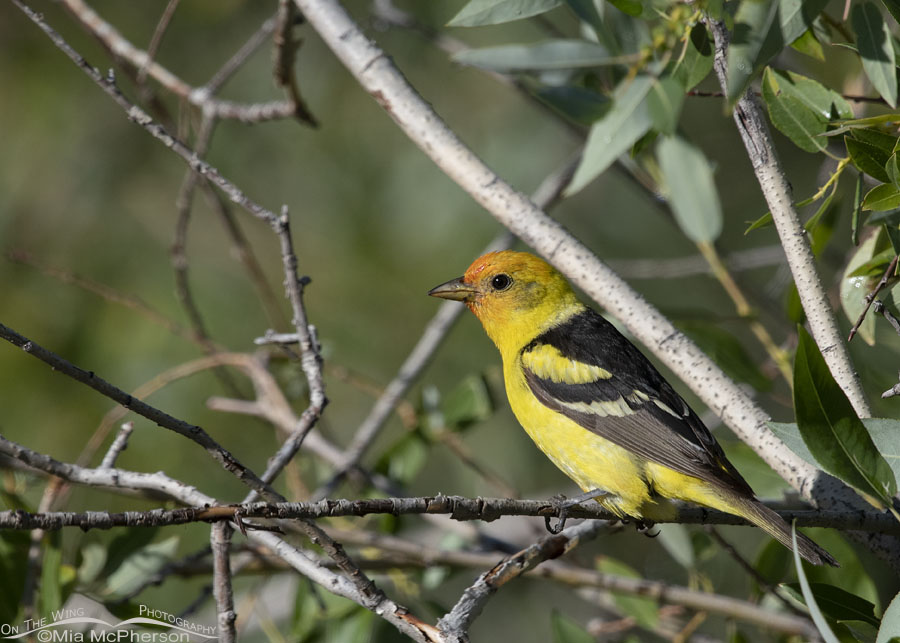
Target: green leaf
[(138, 568), (575, 103), (763, 222), (792, 117), (664, 102), (875, 266), (697, 61), (405, 458), (615, 133), (756, 38), (833, 432), (762, 29), (854, 288), (468, 403), (893, 234), (797, 16), (893, 6), (565, 630), (628, 7), (867, 158), (809, 599), (691, 190), (890, 622), (543, 55), (824, 102), (644, 610), (893, 170), (492, 12), (809, 45), (873, 39), (838, 604), (13, 564), (886, 143), (881, 198), (587, 10), (857, 208), (51, 591)]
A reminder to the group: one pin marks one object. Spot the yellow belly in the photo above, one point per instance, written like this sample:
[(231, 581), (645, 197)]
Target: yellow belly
[(590, 460)]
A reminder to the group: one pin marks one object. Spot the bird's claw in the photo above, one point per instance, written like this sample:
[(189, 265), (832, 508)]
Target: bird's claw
[(562, 514)]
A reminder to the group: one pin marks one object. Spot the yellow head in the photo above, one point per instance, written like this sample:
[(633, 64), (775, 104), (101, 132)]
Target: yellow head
[(515, 295)]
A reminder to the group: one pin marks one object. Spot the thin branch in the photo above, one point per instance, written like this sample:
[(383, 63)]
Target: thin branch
[(457, 507), (220, 542), (870, 296), (161, 418), (455, 624), (119, 444), (310, 357), (284, 56), (156, 40), (227, 70), (856, 98), (377, 74)]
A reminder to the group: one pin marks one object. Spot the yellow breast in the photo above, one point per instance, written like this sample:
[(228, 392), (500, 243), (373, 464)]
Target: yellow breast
[(590, 460)]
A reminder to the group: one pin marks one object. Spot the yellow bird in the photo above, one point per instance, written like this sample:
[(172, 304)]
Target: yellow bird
[(596, 406)]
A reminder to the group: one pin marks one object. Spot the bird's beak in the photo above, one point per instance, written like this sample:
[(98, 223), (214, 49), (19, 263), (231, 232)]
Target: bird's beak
[(455, 289)]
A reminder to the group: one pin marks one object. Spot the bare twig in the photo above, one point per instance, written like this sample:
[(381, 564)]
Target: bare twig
[(220, 542), (156, 40), (870, 296), (190, 431), (851, 97), (284, 55), (119, 444), (455, 623), (240, 57)]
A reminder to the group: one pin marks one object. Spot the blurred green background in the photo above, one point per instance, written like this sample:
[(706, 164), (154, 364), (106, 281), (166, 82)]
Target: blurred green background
[(376, 225)]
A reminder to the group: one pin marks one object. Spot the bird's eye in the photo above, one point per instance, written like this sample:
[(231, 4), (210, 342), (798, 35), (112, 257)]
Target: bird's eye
[(501, 282)]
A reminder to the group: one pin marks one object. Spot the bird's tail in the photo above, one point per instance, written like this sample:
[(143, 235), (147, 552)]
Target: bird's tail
[(774, 525)]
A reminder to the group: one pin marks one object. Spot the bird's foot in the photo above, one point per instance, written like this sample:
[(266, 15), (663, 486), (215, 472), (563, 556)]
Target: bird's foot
[(563, 504), (646, 527)]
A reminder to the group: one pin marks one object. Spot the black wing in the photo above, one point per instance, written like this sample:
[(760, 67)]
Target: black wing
[(588, 371)]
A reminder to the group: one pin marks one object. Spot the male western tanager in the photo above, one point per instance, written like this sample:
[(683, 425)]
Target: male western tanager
[(596, 406)]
